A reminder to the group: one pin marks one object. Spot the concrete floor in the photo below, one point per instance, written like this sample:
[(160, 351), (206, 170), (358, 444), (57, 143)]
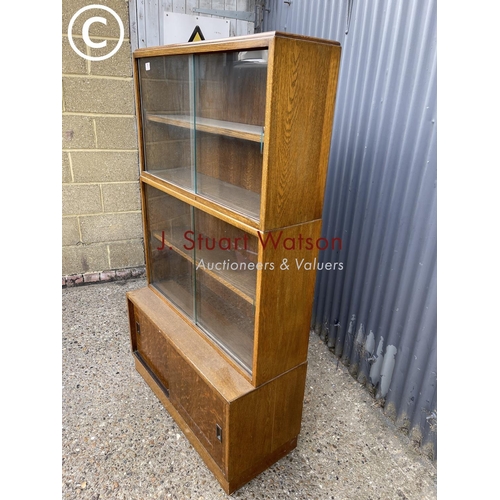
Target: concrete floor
[(120, 443)]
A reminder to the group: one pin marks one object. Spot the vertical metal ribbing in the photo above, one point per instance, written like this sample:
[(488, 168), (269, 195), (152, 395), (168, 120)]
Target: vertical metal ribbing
[(379, 313)]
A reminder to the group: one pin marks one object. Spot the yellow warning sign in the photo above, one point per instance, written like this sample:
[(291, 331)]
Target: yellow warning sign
[(197, 35)]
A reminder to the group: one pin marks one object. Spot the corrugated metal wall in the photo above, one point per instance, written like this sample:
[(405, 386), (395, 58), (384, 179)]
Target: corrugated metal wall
[(379, 313)]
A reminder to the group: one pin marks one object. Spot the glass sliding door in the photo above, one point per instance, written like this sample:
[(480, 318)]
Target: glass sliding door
[(170, 260), (230, 109), (203, 124), (167, 93), (207, 268), (226, 276)]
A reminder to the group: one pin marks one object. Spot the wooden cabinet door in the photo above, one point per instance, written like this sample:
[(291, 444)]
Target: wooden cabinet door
[(152, 347), (199, 404)]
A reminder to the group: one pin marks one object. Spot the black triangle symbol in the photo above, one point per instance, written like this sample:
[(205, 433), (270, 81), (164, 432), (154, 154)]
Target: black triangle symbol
[(196, 35)]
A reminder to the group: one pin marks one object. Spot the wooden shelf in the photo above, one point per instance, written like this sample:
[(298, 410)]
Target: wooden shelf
[(233, 197), (241, 282), (253, 133)]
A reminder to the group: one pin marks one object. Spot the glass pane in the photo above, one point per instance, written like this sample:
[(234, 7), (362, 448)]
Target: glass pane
[(167, 117), (230, 111), (226, 273), (170, 258)]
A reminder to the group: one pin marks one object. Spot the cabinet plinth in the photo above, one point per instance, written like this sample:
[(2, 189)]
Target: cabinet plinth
[(234, 140)]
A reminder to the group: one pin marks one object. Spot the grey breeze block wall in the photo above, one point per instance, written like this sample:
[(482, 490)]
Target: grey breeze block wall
[(102, 222)]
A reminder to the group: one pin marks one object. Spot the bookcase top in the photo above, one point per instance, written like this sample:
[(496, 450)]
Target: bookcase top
[(257, 40)]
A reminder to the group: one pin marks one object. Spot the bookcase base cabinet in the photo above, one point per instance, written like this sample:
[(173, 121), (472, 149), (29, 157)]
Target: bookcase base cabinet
[(239, 430)]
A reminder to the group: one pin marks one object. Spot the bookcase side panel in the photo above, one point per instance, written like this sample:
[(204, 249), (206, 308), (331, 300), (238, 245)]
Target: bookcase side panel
[(289, 400), (250, 430), (304, 76), (264, 425), (284, 299)]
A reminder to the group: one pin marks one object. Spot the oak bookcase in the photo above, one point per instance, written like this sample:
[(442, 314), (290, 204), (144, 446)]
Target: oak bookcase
[(234, 140)]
